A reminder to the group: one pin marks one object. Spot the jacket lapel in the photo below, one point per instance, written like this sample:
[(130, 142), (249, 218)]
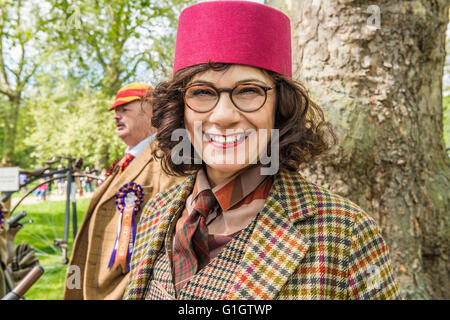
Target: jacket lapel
[(153, 229), (131, 172), (97, 196), (276, 247), (99, 192)]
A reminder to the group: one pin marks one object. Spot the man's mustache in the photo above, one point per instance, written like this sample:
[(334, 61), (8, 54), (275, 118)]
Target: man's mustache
[(120, 123)]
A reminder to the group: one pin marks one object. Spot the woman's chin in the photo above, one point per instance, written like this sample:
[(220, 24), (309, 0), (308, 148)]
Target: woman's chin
[(228, 162), (226, 169)]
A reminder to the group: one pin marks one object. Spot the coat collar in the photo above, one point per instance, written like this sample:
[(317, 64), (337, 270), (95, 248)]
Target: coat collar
[(152, 231), (113, 183), (274, 250)]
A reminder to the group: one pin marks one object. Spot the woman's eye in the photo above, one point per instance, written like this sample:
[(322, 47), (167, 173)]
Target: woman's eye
[(198, 92), (250, 90), (205, 92)]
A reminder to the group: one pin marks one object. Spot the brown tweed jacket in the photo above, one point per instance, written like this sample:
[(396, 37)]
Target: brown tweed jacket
[(307, 243), (95, 240)]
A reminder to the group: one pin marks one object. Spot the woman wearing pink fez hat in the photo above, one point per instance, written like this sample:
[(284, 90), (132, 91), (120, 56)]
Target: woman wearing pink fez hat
[(244, 224)]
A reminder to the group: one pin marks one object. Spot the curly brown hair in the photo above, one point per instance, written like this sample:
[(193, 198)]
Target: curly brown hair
[(303, 132)]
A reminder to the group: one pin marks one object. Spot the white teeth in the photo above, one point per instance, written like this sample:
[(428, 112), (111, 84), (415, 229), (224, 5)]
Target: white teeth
[(227, 139), (230, 139)]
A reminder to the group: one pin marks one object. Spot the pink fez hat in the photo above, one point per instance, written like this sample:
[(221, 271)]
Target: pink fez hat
[(238, 32)]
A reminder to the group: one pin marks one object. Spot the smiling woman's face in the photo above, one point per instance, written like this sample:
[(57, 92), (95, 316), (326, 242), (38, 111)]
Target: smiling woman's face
[(228, 139)]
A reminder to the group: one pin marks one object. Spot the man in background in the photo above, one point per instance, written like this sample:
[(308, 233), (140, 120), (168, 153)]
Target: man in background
[(97, 255)]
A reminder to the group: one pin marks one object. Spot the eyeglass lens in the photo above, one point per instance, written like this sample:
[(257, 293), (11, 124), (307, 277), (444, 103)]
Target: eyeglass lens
[(246, 97)]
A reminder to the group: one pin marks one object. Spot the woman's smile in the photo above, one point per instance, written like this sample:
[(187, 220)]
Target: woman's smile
[(226, 141)]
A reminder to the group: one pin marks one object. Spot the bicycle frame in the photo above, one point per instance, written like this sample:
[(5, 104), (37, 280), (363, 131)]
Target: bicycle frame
[(69, 175)]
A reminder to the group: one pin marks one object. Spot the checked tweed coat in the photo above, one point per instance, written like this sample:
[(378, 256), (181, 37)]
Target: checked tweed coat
[(306, 243)]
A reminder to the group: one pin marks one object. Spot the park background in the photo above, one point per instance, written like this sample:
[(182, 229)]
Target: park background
[(378, 68)]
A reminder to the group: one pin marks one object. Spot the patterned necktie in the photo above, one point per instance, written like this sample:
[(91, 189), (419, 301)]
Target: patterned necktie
[(191, 251), (112, 167), (126, 161)]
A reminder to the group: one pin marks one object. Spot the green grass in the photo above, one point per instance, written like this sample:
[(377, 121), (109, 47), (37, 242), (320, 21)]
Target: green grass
[(48, 225)]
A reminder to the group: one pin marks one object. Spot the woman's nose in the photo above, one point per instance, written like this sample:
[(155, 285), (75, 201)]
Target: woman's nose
[(224, 112)]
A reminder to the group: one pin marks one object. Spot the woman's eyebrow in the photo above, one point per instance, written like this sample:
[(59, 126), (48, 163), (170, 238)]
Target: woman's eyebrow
[(236, 83), (199, 82), (251, 80)]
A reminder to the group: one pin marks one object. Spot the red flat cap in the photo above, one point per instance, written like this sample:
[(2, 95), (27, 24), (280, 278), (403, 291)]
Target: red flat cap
[(130, 92)]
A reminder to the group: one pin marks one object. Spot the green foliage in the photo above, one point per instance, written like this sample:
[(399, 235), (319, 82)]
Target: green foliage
[(110, 42), (67, 122), (63, 61), (23, 49)]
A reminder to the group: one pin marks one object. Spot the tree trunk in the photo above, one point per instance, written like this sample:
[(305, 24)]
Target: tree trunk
[(10, 133), (377, 72), (104, 161)]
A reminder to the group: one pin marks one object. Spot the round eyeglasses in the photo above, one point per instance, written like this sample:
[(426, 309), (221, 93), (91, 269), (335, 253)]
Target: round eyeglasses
[(247, 97)]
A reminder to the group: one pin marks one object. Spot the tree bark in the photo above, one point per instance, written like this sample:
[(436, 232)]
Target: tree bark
[(377, 72), (10, 133)]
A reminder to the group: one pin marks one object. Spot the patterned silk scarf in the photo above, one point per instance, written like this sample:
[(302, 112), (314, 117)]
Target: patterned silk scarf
[(191, 251)]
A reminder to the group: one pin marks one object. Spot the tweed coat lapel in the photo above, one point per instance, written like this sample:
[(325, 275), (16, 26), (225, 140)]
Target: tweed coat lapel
[(132, 171), (276, 247), (100, 191), (97, 196), (153, 227)]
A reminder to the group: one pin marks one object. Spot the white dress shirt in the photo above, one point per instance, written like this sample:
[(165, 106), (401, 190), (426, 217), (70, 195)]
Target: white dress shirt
[(137, 149)]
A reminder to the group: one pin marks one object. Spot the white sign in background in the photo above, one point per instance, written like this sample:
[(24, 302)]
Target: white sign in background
[(9, 179)]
